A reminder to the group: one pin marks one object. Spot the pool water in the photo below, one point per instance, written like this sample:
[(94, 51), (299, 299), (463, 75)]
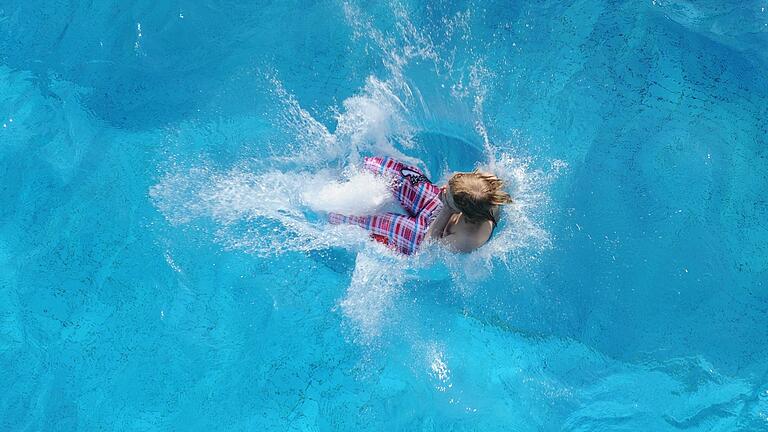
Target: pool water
[(165, 262)]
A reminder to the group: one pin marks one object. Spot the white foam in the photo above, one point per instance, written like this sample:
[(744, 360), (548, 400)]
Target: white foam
[(259, 213), (439, 367), (362, 194), (375, 285)]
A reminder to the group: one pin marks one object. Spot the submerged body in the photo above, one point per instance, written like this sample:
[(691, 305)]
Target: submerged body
[(431, 213)]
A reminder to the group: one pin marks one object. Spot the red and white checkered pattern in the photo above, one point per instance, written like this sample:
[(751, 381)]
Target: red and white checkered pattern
[(418, 196)]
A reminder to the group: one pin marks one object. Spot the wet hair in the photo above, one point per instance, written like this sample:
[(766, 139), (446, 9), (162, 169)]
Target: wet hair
[(476, 194)]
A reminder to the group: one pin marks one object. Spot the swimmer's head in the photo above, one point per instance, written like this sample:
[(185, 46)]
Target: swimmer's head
[(476, 194)]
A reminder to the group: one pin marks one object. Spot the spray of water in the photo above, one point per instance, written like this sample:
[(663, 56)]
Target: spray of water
[(282, 207)]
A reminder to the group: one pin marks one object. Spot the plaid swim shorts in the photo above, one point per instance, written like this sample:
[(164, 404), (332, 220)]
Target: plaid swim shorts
[(416, 194)]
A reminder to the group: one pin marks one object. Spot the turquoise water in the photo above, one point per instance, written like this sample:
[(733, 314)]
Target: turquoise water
[(161, 267)]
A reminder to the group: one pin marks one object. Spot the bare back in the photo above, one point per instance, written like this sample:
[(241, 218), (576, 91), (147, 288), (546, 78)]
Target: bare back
[(458, 233)]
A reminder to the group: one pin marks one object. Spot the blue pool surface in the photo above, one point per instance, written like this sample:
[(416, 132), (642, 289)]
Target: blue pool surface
[(161, 271)]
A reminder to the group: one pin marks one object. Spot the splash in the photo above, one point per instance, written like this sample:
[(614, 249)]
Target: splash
[(439, 369), (278, 204), (372, 292), (266, 213), (362, 194)]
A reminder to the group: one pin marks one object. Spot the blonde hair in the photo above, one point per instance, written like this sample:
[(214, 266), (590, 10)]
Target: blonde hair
[(476, 194)]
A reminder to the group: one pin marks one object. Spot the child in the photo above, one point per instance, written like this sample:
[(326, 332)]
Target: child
[(462, 214)]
